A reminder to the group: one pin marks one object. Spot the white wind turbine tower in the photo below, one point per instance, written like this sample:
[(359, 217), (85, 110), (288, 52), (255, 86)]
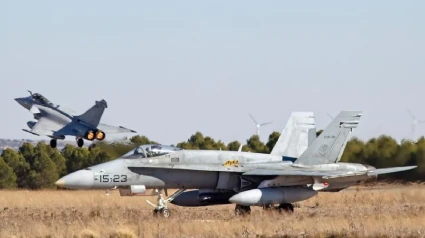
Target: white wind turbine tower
[(258, 125), (415, 122)]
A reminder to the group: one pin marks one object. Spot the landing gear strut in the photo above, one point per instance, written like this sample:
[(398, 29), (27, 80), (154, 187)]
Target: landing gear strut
[(80, 142), (242, 210), (161, 207), (53, 143)]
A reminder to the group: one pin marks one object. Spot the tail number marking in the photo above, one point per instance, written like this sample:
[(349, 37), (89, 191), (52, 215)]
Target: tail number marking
[(108, 178)]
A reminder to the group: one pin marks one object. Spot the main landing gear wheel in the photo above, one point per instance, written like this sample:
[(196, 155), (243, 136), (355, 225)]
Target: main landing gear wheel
[(53, 143), (165, 212), (80, 142), (161, 207), (242, 210), (286, 207)]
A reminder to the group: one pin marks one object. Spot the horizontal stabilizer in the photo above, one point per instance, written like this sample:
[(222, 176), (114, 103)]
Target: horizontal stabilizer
[(390, 170)]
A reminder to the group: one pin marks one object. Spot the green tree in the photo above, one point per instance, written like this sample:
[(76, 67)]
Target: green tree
[(7, 177), (234, 145), (20, 167), (381, 152), (27, 150), (76, 158), (141, 140), (273, 137), (44, 173), (98, 156), (255, 145), (198, 142), (54, 155), (353, 152)]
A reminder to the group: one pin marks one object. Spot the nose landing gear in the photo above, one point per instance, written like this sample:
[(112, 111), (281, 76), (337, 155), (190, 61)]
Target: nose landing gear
[(161, 207)]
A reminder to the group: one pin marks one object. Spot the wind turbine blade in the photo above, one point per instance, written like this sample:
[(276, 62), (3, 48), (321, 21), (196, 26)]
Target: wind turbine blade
[(329, 115), (411, 114), (266, 123), (253, 119)]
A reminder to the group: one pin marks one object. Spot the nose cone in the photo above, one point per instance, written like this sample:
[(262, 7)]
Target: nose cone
[(25, 102), (20, 100), (80, 179)]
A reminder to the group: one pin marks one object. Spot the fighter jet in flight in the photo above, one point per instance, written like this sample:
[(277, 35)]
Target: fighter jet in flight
[(224, 177), (56, 122)]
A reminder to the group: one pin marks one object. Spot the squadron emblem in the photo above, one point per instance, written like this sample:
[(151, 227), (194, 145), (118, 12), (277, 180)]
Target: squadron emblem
[(323, 150)]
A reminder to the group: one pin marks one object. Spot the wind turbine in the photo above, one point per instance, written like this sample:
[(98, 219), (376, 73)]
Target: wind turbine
[(258, 125), (415, 122)]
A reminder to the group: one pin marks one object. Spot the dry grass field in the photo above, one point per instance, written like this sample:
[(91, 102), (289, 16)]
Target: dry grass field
[(378, 211)]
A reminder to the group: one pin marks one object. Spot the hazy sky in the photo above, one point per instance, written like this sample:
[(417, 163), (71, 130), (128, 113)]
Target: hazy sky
[(170, 68)]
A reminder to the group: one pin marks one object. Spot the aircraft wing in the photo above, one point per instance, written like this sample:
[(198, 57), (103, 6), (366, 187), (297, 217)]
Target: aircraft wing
[(198, 167), (44, 127), (114, 129), (267, 169), (301, 172), (324, 174)]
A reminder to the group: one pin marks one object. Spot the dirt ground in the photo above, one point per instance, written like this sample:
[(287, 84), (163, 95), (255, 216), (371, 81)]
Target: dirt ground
[(378, 211)]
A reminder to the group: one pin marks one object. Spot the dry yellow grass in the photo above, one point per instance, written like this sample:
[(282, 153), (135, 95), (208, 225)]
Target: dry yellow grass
[(379, 211)]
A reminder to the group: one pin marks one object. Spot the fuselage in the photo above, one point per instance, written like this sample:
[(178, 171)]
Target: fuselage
[(196, 170)]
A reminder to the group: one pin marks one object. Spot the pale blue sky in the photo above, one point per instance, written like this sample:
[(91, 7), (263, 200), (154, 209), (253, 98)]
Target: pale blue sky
[(170, 68)]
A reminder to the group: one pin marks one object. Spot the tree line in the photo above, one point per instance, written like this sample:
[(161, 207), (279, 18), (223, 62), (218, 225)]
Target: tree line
[(38, 167)]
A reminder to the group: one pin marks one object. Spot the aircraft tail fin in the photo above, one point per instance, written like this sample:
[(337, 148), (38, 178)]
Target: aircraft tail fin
[(329, 146), (311, 137), (94, 114), (296, 136)]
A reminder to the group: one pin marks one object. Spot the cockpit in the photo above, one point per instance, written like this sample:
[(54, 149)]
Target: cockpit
[(148, 151), (41, 99)]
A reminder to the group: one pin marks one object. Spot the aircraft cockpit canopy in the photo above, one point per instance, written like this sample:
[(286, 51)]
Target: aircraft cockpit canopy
[(148, 151), (41, 99)]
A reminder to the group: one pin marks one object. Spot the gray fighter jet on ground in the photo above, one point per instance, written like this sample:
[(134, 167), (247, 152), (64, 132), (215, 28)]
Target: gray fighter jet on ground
[(243, 178), (56, 122)]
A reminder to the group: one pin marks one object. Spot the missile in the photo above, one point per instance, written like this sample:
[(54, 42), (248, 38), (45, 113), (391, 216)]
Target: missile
[(195, 198), (270, 196)]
